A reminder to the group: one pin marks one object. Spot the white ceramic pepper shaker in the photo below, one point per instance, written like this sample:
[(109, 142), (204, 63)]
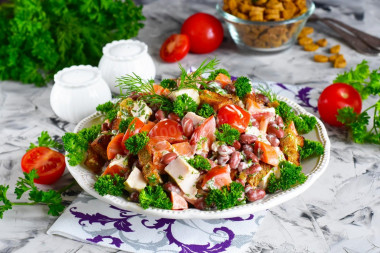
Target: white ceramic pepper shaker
[(125, 57), (77, 91)]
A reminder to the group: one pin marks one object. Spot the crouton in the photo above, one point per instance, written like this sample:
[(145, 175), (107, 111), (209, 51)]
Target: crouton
[(99, 145), (94, 161)]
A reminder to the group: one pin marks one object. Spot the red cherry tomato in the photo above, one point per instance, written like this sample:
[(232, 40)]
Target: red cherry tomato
[(205, 32), (235, 116), (114, 147), (175, 48), (49, 164), (337, 96), (133, 128), (169, 129)]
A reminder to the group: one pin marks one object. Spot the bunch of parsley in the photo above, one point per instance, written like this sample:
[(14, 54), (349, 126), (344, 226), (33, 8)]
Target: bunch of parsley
[(367, 83), (38, 38)]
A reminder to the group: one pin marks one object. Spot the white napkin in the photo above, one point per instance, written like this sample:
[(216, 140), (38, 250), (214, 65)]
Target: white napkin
[(93, 221)]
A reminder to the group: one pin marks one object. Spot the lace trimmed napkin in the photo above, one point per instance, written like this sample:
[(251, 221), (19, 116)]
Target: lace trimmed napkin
[(93, 221)]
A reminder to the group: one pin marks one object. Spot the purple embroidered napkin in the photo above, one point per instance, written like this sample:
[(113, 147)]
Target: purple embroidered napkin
[(93, 221)]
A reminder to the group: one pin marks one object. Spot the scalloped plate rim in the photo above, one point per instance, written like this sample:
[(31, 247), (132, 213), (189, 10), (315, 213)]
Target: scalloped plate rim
[(80, 173)]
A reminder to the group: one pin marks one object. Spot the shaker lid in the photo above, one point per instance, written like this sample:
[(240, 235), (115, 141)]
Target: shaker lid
[(122, 50), (77, 76)]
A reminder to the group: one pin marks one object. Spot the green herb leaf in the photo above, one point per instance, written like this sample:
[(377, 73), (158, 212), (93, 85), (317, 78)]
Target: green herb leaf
[(310, 148), (108, 184), (136, 142), (7, 205), (243, 86), (45, 141), (226, 197), (206, 111), (108, 109), (183, 104), (77, 144), (154, 196), (227, 134), (291, 175), (169, 84), (200, 163)]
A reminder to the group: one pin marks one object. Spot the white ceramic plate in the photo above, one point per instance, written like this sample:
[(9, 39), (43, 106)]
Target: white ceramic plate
[(313, 168)]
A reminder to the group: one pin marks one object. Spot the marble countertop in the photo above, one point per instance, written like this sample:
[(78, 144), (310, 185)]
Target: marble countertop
[(339, 213)]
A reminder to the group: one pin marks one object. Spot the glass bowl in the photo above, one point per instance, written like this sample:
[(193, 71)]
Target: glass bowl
[(265, 36)]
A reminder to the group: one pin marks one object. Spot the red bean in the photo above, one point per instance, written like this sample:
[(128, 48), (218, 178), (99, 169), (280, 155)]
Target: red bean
[(230, 88), (225, 150), (279, 121), (242, 166), (262, 98), (237, 145), (255, 194), (134, 196), (247, 147), (223, 159), (255, 168), (275, 130), (247, 138), (174, 117), (251, 156), (188, 127), (274, 142), (247, 188), (160, 115), (241, 181), (171, 187), (167, 158), (200, 204), (234, 160)]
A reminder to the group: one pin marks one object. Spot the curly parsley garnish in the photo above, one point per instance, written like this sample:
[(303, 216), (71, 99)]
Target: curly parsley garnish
[(136, 142), (200, 163), (227, 134), (183, 104), (206, 111), (226, 197), (154, 196)]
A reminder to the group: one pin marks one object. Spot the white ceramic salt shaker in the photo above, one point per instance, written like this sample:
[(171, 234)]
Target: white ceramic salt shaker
[(77, 91), (124, 57)]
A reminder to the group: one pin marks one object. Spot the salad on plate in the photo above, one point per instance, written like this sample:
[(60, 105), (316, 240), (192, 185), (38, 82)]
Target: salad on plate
[(205, 140)]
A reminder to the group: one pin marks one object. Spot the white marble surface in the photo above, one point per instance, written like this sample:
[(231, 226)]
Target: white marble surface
[(339, 213)]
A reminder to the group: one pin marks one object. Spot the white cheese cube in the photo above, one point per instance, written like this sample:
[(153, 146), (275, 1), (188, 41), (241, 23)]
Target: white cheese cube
[(141, 110), (190, 92), (185, 176), (135, 181)]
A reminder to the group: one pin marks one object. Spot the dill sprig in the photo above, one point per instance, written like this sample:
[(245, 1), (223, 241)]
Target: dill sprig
[(133, 84), (190, 80), (266, 91)]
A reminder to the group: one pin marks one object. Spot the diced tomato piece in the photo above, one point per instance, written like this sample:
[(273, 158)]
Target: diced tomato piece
[(115, 147), (235, 116), (203, 136), (183, 149), (266, 153), (158, 144), (147, 127), (220, 175), (115, 169), (133, 128), (159, 90), (169, 129), (223, 79), (179, 203)]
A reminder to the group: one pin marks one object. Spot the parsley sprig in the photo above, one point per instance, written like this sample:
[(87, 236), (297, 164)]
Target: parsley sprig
[(183, 104), (367, 83), (227, 134), (51, 198), (45, 141), (136, 142), (226, 197), (154, 196)]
